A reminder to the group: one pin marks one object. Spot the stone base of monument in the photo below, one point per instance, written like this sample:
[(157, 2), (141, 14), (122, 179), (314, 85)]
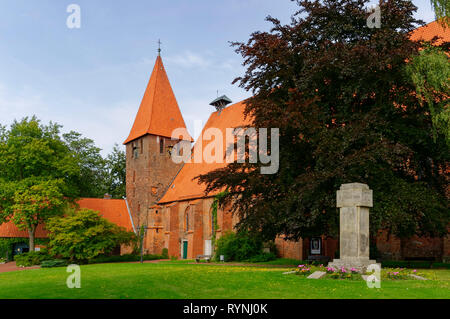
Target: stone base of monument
[(348, 263)]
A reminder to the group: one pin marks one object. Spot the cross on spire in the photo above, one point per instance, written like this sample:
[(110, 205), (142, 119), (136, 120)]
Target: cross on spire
[(159, 47)]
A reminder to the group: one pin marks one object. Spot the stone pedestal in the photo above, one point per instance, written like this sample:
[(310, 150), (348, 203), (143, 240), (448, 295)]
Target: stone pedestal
[(354, 201)]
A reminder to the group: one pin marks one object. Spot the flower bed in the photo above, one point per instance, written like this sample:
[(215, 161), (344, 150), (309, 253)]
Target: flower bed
[(400, 274), (303, 270), (354, 274), (343, 273)]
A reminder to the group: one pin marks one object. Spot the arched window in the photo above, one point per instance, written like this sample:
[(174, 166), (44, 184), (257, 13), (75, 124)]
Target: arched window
[(161, 145), (186, 219), (134, 153), (212, 222)]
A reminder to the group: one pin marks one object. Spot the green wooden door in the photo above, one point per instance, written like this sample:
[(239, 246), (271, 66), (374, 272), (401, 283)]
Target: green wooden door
[(185, 247)]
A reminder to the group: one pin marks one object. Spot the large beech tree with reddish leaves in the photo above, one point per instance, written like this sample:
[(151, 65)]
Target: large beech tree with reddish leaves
[(347, 112)]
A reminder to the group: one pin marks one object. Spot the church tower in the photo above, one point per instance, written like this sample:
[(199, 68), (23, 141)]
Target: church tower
[(149, 167)]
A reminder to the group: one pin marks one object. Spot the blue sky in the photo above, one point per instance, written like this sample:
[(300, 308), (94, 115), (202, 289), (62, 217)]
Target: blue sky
[(92, 79)]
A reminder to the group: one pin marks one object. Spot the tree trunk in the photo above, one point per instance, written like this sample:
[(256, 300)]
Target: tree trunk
[(31, 233)]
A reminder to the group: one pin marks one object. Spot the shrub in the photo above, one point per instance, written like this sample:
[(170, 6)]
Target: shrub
[(272, 247), (123, 258), (165, 253), (263, 257), (238, 246), (441, 265), (31, 258), (407, 264), (7, 244), (84, 235), (54, 263), (152, 257), (114, 259)]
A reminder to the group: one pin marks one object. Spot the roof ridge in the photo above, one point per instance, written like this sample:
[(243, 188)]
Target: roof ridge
[(158, 58)]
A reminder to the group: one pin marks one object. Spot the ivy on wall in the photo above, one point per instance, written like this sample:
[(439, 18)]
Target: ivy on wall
[(214, 207)]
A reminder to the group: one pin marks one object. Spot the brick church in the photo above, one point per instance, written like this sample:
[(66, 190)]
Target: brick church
[(164, 197)]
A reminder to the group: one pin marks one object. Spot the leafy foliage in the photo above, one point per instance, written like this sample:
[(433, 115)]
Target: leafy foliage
[(214, 207), (116, 176), (84, 235), (91, 178), (442, 11), (52, 263), (347, 112), (124, 258), (430, 72), (7, 246), (238, 246), (42, 171), (36, 173), (31, 258)]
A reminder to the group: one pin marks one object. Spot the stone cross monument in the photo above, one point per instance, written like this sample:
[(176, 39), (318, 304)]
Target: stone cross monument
[(354, 201)]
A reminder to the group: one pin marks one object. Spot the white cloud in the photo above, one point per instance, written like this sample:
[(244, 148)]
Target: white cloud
[(106, 125), (189, 60)]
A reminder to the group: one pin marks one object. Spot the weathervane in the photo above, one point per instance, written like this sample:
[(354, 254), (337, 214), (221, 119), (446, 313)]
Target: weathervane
[(159, 47)]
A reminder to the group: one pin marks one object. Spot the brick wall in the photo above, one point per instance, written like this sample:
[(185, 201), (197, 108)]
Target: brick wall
[(148, 175), (289, 249), (393, 248)]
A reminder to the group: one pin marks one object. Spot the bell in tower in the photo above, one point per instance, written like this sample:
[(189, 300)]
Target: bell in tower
[(221, 102)]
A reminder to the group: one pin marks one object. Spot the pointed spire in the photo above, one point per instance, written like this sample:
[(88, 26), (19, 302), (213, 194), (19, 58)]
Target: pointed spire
[(158, 113)]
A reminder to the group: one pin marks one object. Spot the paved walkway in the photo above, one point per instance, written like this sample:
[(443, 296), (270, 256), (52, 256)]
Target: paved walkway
[(8, 267)]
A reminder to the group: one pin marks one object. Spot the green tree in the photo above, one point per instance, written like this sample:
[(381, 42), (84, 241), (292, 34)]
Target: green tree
[(35, 201), (347, 112), (36, 170), (92, 177), (83, 235), (430, 72), (442, 11), (116, 176)]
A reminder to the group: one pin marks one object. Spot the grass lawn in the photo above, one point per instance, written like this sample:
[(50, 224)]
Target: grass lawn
[(180, 280)]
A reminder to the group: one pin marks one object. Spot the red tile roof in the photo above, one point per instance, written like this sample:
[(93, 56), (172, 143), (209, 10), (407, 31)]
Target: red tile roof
[(184, 187), (159, 113), (9, 230), (114, 210), (429, 31)]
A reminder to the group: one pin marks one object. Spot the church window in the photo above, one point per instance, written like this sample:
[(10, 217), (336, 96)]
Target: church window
[(186, 220), (135, 151), (161, 145), (212, 223), (142, 145)]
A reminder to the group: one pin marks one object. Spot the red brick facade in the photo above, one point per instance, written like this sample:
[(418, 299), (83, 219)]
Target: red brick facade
[(149, 173), (166, 198), (187, 221)]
